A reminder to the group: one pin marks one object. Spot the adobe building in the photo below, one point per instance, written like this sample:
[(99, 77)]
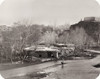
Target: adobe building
[(43, 51)]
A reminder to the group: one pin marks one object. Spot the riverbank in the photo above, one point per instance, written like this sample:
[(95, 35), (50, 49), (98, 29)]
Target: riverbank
[(73, 69)]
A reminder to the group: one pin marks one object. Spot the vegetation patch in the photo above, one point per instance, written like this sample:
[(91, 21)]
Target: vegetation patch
[(79, 55), (37, 75)]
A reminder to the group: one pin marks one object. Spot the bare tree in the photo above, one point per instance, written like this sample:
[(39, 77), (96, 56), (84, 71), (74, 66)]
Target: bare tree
[(49, 38), (78, 36)]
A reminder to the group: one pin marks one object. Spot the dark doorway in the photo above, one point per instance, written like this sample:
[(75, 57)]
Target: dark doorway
[(40, 56), (49, 54)]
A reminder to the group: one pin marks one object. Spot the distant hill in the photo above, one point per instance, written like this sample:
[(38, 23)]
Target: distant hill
[(86, 32), (91, 28)]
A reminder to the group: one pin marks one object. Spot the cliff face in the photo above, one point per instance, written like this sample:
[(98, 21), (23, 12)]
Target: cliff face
[(92, 29)]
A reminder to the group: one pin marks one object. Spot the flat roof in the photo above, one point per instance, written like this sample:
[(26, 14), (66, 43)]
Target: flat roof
[(64, 45), (46, 49), (40, 48), (30, 48)]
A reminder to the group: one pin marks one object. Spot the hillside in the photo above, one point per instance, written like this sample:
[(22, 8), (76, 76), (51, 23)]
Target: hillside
[(92, 28)]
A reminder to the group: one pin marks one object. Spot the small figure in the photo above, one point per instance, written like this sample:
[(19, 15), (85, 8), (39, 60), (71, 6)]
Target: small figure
[(62, 64)]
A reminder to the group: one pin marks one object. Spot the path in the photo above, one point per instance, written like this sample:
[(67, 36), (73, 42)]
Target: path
[(79, 69), (24, 70)]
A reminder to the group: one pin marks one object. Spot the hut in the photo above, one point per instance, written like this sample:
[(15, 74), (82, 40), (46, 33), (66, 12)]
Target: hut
[(43, 51), (65, 48)]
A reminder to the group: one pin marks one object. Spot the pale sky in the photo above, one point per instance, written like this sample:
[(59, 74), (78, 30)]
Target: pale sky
[(47, 11)]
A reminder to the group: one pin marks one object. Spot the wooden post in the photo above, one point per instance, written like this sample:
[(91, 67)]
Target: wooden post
[(57, 55)]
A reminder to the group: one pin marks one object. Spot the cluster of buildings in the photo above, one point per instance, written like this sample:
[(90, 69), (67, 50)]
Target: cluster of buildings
[(55, 51)]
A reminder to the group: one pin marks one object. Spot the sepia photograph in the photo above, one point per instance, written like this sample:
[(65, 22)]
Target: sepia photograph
[(49, 39)]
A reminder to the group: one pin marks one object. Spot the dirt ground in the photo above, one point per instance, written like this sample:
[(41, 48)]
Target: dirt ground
[(78, 69), (72, 69)]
